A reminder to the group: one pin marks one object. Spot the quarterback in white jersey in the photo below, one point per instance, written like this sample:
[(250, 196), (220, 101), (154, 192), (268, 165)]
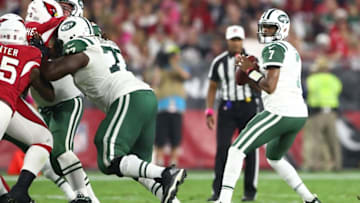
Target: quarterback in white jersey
[(285, 111), (287, 99), (124, 139)]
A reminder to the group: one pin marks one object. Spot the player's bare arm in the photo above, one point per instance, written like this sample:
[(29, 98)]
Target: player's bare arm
[(210, 103), (268, 83), (42, 86), (60, 67)]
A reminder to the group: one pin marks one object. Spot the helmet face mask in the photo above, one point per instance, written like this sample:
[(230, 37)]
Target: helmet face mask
[(277, 18), (77, 7)]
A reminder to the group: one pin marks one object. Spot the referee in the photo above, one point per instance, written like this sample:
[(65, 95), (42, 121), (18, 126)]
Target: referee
[(237, 106)]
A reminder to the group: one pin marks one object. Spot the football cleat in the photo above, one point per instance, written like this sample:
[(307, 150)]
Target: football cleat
[(16, 198), (213, 198), (171, 178), (80, 198), (315, 200), (248, 198)]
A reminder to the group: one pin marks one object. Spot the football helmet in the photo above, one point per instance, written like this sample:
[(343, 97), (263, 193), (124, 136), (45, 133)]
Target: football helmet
[(42, 11), (74, 27), (274, 17), (12, 30), (78, 7)]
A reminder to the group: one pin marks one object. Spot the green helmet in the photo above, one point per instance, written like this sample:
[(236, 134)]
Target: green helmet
[(78, 7)]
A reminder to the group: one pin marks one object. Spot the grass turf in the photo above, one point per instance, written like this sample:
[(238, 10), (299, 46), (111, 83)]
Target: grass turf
[(342, 187)]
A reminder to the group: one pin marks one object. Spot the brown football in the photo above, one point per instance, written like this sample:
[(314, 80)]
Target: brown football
[(240, 76)]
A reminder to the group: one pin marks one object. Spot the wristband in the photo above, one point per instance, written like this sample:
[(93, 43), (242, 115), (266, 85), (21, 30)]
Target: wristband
[(255, 75), (209, 112), (249, 70)]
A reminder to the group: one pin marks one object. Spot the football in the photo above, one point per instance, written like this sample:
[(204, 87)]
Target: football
[(241, 77)]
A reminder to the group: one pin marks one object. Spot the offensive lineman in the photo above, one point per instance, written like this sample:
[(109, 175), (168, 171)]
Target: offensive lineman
[(63, 115), (125, 137), (285, 110)]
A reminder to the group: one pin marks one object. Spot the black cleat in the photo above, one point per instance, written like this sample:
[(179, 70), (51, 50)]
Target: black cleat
[(171, 178), (5, 198), (80, 198), (315, 200), (248, 198), (213, 198), (17, 198)]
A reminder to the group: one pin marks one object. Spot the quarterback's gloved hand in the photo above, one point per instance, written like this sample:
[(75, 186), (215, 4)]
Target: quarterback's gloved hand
[(37, 42)]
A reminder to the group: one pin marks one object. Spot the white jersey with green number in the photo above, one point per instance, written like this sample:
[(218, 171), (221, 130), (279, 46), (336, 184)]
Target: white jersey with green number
[(105, 78), (287, 99)]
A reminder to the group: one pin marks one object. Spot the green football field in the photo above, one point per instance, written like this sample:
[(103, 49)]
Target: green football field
[(342, 187)]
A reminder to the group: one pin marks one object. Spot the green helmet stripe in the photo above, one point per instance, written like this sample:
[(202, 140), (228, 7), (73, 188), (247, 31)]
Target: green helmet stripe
[(270, 12)]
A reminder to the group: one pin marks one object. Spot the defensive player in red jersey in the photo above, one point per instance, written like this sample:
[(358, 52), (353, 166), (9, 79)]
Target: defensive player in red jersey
[(19, 67)]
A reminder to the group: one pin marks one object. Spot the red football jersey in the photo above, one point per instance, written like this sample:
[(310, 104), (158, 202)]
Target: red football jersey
[(16, 63), (46, 30)]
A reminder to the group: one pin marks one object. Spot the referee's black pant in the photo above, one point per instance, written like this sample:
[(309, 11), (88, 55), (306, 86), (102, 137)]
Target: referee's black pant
[(232, 116)]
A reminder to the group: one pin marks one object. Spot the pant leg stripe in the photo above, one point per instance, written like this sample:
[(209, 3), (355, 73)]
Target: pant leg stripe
[(108, 130), (118, 126), (238, 142), (68, 134), (75, 123), (259, 132)]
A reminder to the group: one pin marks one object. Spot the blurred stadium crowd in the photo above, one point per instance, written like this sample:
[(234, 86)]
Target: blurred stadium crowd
[(320, 28)]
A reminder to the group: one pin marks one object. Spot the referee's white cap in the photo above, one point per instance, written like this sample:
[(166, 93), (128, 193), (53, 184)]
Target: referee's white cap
[(234, 31)]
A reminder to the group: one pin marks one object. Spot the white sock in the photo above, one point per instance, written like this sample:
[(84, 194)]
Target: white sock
[(132, 166), (76, 180), (155, 188), (3, 186), (35, 158), (234, 163), (49, 173), (73, 172), (287, 172), (91, 193)]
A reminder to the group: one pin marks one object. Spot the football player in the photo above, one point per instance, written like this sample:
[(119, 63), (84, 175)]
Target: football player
[(125, 137), (19, 69), (285, 111), (62, 115)]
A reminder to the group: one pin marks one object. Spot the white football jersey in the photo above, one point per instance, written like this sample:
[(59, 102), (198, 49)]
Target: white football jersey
[(64, 89), (105, 78), (287, 99)]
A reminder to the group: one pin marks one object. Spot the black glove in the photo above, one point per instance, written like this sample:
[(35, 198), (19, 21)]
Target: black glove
[(37, 42)]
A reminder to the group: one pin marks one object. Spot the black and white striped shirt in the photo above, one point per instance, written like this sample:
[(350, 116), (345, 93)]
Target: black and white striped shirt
[(222, 70)]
